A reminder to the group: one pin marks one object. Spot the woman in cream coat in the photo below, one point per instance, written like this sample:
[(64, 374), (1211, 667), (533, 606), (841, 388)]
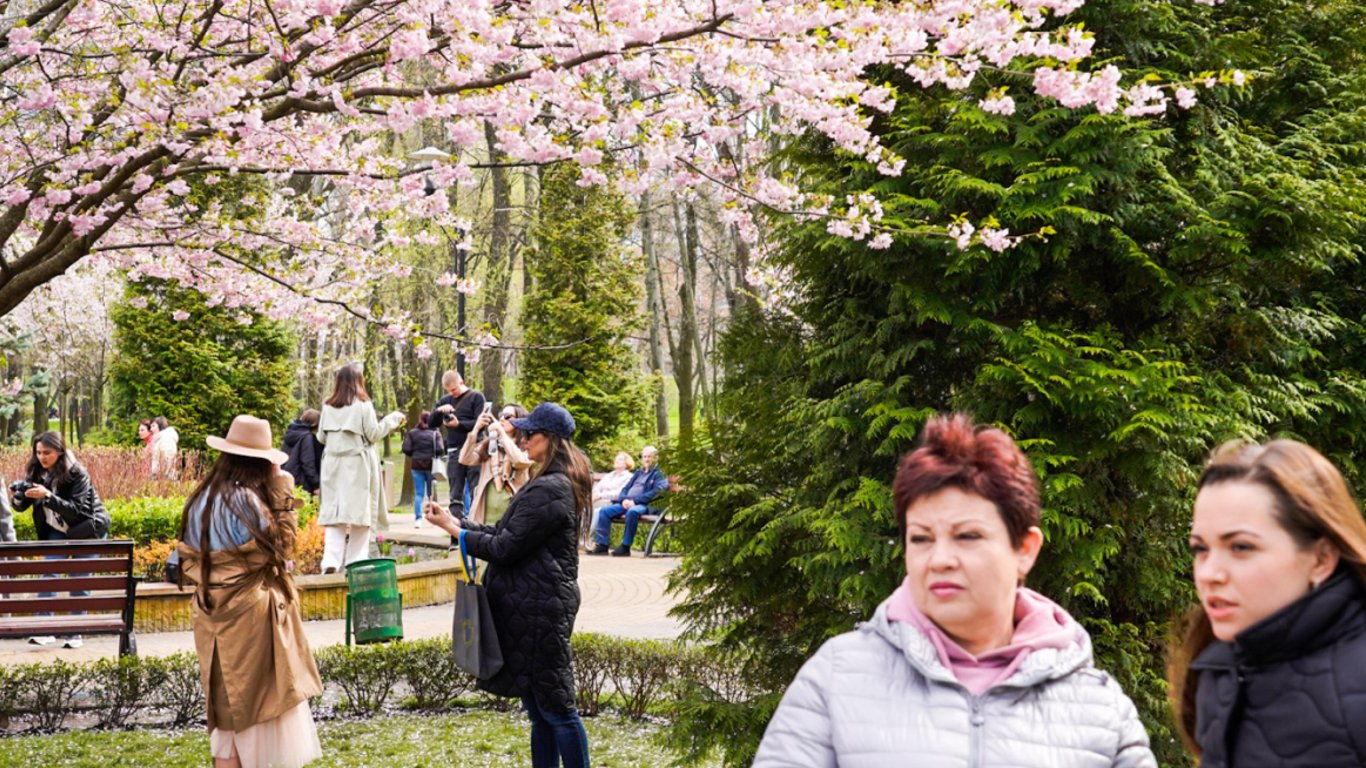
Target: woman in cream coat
[(351, 497)]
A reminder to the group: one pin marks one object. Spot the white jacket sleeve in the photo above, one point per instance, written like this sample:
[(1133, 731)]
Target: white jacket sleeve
[(799, 735), (1133, 750)]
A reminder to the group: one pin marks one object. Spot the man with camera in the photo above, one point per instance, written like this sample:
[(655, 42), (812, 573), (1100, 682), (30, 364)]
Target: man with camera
[(457, 411)]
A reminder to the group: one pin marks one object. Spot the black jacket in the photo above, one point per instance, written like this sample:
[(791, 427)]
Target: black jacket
[(423, 445), (75, 501), (1290, 691), (467, 409), (533, 589), (305, 455)]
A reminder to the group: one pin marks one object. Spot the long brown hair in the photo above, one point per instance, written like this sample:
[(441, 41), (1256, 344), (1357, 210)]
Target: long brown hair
[(1311, 502), (562, 453), (61, 470), (239, 484), (349, 388)]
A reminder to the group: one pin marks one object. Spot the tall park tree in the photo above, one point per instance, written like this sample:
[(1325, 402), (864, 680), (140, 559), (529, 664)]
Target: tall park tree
[(110, 110), (1201, 282), (195, 364), (582, 304)]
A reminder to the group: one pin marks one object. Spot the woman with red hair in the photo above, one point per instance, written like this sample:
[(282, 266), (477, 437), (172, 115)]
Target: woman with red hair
[(961, 665)]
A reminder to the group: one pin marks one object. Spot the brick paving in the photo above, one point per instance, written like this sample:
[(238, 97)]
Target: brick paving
[(621, 596)]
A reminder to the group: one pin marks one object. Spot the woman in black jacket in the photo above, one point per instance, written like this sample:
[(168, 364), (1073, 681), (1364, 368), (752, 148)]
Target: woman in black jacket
[(65, 504), (532, 584), (422, 445), (1273, 668)]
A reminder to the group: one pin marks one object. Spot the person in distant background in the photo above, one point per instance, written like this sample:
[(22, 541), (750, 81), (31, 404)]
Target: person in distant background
[(503, 466), (457, 411), (351, 502), (165, 450), (423, 446), (305, 453), (145, 434)]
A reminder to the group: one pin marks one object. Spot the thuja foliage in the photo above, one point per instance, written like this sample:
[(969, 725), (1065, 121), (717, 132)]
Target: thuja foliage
[(1195, 279), (582, 304), (197, 365)]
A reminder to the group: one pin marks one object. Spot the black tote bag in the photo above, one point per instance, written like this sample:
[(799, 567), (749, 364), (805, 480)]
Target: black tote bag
[(474, 641)]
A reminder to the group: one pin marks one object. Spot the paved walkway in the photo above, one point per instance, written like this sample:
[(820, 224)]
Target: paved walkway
[(621, 596)]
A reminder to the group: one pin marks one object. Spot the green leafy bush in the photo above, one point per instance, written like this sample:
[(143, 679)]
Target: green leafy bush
[(366, 674), (429, 670), (125, 686), (48, 691), (641, 672), (9, 692), (593, 657), (182, 692)]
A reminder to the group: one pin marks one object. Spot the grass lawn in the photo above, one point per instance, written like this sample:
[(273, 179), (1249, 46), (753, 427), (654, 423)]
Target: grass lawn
[(475, 738)]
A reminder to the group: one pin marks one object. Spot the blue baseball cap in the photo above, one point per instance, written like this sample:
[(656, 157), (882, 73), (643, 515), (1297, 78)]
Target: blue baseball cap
[(547, 417)]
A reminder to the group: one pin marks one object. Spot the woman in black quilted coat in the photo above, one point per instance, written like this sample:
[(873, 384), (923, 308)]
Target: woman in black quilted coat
[(1273, 669), (532, 584)]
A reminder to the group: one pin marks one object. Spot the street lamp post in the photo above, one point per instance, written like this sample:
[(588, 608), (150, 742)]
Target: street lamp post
[(432, 154)]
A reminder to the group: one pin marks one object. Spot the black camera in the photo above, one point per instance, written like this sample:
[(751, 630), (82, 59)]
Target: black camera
[(18, 487)]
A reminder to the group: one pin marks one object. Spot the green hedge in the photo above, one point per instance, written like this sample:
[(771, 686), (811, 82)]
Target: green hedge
[(144, 520), (636, 677)]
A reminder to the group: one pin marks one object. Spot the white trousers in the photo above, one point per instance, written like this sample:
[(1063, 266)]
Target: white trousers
[(344, 544)]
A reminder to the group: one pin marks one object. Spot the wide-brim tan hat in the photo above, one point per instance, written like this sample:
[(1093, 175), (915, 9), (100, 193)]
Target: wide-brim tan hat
[(248, 436)]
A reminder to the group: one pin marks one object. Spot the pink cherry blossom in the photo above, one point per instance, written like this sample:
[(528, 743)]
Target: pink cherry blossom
[(305, 106)]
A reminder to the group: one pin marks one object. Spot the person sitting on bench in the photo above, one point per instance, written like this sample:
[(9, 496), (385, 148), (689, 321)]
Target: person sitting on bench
[(633, 502)]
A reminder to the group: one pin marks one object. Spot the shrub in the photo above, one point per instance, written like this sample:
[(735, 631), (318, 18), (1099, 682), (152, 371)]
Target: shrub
[(365, 673), (143, 519), (117, 473), (593, 658), (308, 548), (641, 672), (9, 693), (125, 686), (182, 693), (431, 674), (48, 691)]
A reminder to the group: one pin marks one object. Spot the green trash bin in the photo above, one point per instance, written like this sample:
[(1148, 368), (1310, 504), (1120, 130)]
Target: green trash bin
[(374, 606)]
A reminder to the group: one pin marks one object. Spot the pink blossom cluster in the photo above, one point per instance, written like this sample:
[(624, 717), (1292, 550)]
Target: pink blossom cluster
[(251, 155)]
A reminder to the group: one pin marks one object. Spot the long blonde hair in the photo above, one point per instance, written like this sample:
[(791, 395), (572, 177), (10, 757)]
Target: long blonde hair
[(1312, 502)]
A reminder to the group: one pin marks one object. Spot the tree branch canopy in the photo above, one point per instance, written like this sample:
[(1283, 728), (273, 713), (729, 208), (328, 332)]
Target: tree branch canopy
[(152, 121)]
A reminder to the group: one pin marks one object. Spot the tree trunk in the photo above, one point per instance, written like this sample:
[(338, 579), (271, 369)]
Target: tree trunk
[(687, 325), (499, 271), (654, 310), (40, 406)]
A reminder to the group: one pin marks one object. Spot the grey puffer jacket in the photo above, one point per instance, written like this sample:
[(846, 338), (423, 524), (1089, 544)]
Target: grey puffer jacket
[(879, 696)]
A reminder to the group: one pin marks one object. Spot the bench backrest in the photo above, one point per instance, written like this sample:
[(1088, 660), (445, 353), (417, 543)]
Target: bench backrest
[(102, 566)]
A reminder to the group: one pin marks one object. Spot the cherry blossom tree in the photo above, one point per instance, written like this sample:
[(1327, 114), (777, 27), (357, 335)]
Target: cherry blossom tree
[(244, 147)]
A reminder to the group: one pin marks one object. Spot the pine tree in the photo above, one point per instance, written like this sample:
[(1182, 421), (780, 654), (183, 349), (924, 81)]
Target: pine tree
[(583, 302)]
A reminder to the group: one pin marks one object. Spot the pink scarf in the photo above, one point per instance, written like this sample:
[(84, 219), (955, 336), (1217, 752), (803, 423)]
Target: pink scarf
[(1039, 623)]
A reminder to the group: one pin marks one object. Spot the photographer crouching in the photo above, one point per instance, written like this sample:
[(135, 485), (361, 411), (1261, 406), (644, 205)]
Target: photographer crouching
[(65, 504)]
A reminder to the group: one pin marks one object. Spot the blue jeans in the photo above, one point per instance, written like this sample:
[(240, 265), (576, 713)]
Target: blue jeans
[(606, 515), (555, 737), (424, 487), (59, 536)]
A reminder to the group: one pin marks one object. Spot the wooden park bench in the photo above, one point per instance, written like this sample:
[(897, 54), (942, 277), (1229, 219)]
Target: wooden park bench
[(102, 566)]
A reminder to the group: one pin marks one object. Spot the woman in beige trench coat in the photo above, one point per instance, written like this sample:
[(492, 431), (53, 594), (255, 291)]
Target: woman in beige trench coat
[(504, 466), (351, 494), (236, 534)]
